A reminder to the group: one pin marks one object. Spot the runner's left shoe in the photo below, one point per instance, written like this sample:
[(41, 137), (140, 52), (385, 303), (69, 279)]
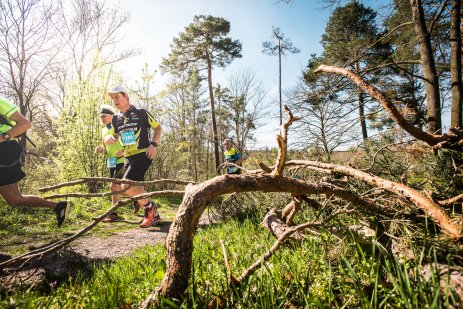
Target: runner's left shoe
[(61, 210)]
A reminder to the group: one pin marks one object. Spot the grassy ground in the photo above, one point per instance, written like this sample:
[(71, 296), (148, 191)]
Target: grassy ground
[(321, 272)]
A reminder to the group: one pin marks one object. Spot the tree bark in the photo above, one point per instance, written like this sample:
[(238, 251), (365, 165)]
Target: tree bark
[(455, 62), (433, 116)]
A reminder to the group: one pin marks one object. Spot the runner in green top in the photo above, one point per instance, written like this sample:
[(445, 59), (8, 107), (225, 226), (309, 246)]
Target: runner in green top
[(115, 160), (12, 125)]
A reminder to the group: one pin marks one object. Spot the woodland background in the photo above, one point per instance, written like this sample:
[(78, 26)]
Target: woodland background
[(382, 83)]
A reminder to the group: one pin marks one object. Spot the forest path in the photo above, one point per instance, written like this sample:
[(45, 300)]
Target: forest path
[(84, 254), (119, 244)]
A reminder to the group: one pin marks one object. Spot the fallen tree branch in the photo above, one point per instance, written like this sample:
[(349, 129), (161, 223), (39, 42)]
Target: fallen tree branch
[(277, 227), (179, 242), (291, 209), (282, 140), (436, 212), (85, 195), (251, 269), (90, 195), (451, 200), (453, 139), (264, 167), (118, 181), (61, 185)]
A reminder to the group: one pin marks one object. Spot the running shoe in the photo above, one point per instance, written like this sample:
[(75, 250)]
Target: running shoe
[(61, 210), (111, 218), (151, 216)]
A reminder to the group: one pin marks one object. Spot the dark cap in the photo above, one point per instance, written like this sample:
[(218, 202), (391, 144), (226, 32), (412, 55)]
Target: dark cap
[(106, 110)]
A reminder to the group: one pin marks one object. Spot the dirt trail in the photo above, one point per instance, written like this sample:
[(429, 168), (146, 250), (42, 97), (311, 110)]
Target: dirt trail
[(122, 243), (82, 255)]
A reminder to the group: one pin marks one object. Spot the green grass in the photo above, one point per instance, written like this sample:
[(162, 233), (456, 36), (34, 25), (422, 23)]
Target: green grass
[(321, 272)]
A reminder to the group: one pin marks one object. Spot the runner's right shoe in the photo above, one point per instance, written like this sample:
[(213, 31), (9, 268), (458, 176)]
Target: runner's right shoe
[(61, 210), (151, 216)]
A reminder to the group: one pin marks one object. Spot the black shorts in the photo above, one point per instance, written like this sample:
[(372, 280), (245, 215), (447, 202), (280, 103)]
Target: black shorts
[(11, 152), (117, 172), (136, 166)]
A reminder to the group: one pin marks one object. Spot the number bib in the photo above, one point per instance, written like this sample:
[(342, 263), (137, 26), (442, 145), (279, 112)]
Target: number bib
[(111, 162), (128, 138), (232, 169)]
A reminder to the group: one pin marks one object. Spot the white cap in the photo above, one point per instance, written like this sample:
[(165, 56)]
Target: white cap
[(117, 89)]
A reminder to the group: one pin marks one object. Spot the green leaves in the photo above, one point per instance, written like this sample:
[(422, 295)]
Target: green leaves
[(202, 41)]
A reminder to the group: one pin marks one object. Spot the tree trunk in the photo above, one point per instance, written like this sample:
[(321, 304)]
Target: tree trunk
[(431, 80), (455, 62), (213, 119), (279, 81), (363, 122)]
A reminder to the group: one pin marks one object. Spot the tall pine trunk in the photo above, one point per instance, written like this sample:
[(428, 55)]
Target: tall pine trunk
[(431, 79), (455, 62), (361, 107)]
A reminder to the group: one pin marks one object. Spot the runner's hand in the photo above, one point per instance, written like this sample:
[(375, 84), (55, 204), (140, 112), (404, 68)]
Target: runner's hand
[(109, 140), (151, 152), (119, 153), (98, 149)]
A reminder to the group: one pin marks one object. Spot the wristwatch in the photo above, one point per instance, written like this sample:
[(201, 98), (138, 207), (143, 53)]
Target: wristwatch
[(154, 144), (6, 136)]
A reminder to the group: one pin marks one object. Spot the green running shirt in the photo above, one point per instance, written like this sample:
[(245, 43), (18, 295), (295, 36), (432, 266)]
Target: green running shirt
[(113, 148), (7, 109)]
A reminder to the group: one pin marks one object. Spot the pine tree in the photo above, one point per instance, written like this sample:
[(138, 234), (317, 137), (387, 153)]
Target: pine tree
[(204, 44)]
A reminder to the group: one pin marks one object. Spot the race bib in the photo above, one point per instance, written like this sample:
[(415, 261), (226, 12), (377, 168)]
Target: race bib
[(128, 138), (112, 162), (232, 169)]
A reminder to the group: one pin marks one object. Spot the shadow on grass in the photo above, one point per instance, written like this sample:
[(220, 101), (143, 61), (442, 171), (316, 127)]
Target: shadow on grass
[(46, 273)]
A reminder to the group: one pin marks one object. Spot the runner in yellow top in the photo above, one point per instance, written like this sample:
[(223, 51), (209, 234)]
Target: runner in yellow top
[(12, 125), (232, 155), (115, 152)]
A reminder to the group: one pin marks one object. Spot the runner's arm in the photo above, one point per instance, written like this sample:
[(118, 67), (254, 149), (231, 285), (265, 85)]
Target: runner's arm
[(157, 134), (111, 138), (21, 126)]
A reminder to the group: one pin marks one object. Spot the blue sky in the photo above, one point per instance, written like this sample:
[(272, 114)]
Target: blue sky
[(153, 24)]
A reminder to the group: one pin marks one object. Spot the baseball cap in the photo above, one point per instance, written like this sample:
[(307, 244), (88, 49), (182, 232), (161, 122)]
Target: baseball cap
[(117, 89)]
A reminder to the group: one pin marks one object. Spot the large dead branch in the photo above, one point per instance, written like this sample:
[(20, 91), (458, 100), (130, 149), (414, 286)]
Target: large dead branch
[(179, 242), (90, 195), (274, 224), (281, 237), (282, 140), (453, 139), (436, 212), (118, 181), (291, 209)]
